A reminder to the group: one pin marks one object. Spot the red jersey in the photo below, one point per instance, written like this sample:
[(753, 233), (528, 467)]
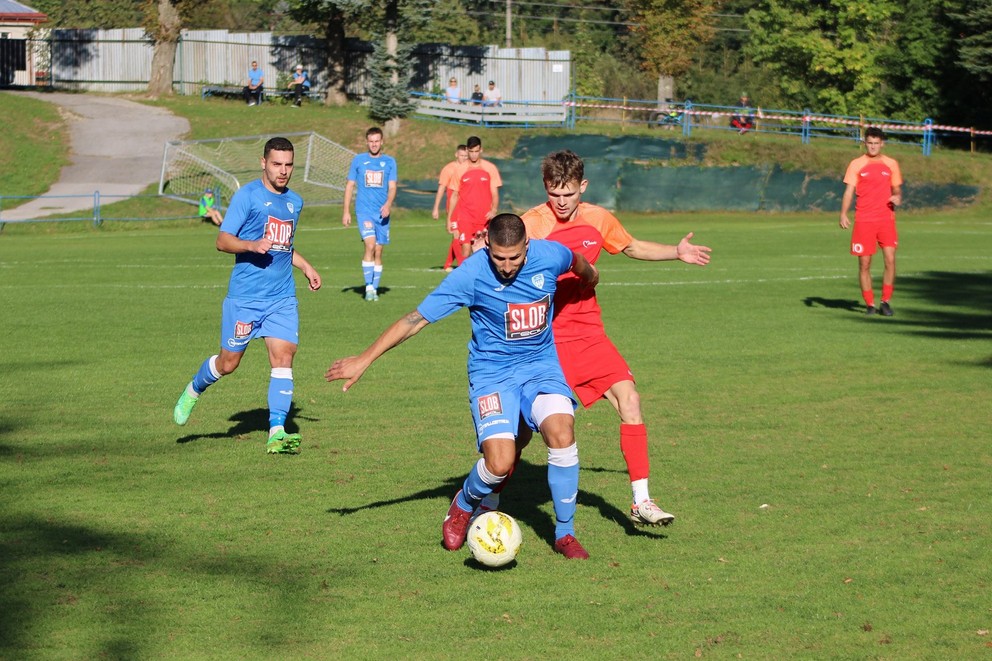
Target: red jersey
[(873, 179), (577, 313), (475, 197)]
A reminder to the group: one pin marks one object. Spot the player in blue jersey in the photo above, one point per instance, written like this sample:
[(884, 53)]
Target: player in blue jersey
[(261, 300), (373, 177), (513, 371)]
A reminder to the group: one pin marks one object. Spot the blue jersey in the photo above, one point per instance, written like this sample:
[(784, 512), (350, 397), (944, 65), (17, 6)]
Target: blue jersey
[(372, 176), (257, 212), (511, 321)]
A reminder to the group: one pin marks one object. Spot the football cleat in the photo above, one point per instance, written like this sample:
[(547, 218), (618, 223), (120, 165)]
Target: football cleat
[(885, 309), (870, 310), (283, 443), (455, 526), (369, 294), (647, 513), (184, 407), (569, 547)]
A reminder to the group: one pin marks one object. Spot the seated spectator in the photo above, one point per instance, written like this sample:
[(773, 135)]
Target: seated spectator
[(477, 96), (744, 120), (300, 84), (256, 85), (453, 93), (207, 210), (492, 97)]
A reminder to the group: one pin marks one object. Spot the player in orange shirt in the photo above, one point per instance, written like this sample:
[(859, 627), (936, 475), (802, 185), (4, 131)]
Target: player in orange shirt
[(592, 365), (877, 182), (444, 182), (475, 197)]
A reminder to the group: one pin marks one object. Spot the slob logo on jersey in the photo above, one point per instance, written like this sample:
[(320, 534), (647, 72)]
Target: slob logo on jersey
[(525, 320), (242, 329), (374, 178), (490, 405), (281, 233)]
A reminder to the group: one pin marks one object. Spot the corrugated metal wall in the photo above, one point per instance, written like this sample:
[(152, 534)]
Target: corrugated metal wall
[(119, 60)]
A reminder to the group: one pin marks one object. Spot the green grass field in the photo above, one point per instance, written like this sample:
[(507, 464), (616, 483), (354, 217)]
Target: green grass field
[(830, 473)]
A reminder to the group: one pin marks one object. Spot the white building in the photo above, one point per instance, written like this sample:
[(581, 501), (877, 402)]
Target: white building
[(17, 65)]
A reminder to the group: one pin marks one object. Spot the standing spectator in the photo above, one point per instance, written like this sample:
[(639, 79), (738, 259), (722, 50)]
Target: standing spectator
[(477, 95), (300, 84), (261, 297), (743, 121), (515, 381), (373, 174), (453, 93), (592, 365), (475, 196), (207, 211), (448, 174), (492, 96), (256, 85), (877, 182)]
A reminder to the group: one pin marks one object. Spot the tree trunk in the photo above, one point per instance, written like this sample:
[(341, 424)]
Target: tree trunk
[(392, 127), (336, 92), (166, 37)]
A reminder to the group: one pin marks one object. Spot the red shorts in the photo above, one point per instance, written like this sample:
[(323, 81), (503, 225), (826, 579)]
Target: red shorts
[(468, 228), (865, 237), (592, 366)]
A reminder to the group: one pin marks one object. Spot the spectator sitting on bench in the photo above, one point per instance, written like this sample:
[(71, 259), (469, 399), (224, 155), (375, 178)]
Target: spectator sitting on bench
[(744, 120), (492, 96), (208, 212), (453, 93), (477, 95), (300, 84), (256, 85)]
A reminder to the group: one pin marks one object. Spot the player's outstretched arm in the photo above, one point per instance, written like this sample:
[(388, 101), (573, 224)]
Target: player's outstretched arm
[(313, 278), (352, 368), (660, 252)]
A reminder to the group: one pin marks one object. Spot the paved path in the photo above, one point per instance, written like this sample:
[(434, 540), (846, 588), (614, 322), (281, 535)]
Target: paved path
[(116, 149)]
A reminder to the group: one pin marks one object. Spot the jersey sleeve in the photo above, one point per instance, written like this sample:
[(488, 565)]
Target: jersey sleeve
[(615, 236), (851, 175), (494, 174), (353, 170), (456, 291), (237, 214), (896, 172), (393, 170)]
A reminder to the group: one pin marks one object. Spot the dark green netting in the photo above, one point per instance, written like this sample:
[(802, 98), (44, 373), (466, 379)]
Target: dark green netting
[(646, 188), (624, 148)]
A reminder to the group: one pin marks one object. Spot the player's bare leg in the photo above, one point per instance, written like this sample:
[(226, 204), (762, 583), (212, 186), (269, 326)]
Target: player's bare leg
[(888, 279)]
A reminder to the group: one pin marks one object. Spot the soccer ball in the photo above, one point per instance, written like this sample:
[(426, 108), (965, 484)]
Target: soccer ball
[(494, 539)]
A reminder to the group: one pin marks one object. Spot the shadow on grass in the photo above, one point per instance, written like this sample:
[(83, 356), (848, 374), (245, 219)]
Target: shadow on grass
[(833, 303), (360, 291), (249, 422), (525, 494)]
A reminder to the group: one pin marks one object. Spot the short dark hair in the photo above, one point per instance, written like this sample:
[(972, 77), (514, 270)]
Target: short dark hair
[(507, 229), (373, 131), (277, 144), (874, 132), (473, 141), (461, 148), (561, 168)]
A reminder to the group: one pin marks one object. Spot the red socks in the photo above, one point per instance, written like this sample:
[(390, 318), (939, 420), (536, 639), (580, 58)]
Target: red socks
[(634, 445), (887, 292), (869, 297)]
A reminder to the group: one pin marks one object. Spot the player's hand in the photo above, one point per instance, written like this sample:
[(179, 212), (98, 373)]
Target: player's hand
[(384, 211), (435, 214), (896, 200), (844, 222), (479, 240), (313, 278), (262, 246), (693, 254), (349, 369), (346, 219)]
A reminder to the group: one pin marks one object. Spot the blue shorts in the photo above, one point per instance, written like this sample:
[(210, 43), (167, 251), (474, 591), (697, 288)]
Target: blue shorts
[(377, 228), (500, 401), (242, 321)]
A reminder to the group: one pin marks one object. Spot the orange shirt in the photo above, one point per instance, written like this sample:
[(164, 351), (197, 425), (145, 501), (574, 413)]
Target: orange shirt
[(445, 179), (593, 229), (873, 180)]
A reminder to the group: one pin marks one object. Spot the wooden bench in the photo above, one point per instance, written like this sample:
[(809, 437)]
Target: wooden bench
[(238, 92), (509, 114)]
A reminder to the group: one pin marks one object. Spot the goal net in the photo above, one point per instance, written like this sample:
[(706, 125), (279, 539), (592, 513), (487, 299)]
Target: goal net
[(225, 164)]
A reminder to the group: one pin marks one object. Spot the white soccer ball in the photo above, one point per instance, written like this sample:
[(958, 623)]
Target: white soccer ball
[(494, 539)]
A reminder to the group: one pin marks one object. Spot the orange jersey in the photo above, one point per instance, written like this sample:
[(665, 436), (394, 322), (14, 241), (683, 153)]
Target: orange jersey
[(445, 179), (593, 229), (873, 180)]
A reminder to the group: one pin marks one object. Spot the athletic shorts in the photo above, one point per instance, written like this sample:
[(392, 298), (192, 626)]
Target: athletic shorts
[(865, 237), (242, 321), (377, 228), (467, 229), (592, 366), (500, 401)]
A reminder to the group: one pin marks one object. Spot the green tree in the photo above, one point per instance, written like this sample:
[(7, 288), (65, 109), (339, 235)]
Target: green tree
[(827, 54), (669, 33), (975, 53)]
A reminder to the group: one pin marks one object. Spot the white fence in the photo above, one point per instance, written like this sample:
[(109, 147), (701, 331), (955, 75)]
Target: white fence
[(119, 60)]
